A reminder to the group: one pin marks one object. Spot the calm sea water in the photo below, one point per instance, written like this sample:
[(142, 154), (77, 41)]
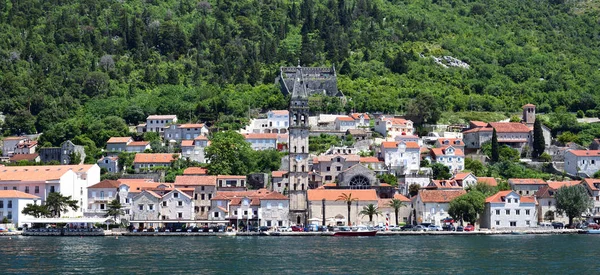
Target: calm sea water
[(512, 254)]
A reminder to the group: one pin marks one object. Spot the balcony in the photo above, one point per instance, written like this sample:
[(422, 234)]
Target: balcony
[(99, 199)]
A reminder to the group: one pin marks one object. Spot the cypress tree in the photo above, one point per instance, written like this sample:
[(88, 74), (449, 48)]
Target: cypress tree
[(539, 144), (495, 147)]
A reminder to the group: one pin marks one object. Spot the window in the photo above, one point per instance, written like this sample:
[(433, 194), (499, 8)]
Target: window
[(527, 223), (216, 215), (202, 196), (508, 200), (255, 213), (201, 188), (497, 222), (497, 211), (175, 195), (245, 212), (179, 203), (51, 189), (202, 209), (164, 217), (9, 216), (209, 196), (36, 190), (513, 224), (151, 207), (140, 206), (338, 168), (327, 177), (518, 211), (1, 204), (180, 215), (14, 188), (235, 212), (9, 204), (26, 189), (507, 211), (328, 168), (527, 213), (164, 203)]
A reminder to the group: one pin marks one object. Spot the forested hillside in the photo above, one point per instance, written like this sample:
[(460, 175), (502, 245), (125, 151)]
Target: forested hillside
[(85, 69)]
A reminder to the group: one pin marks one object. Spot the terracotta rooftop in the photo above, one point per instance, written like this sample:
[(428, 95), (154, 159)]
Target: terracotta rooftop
[(442, 152), (334, 194), (356, 116), (191, 125), (529, 105), (593, 184), (527, 181), (385, 203), (280, 112), (195, 171), (196, 180), (450, 141), (325, 158), (509, 127), (396, 121), (488, 180), (201, 137), (118, 140), (585, 153), (443, 196), (28, 144), (138, 143), (446, 184), (153, 158), (106, 184), (19, 157), (394, 144), (475, 130), (278, 174), (187, 143), (499, 197), (260, 136), (558, 184), (461, 176), (39, 173), (14, 138), (231, 177), (137, 185), (344, 118), (477, 123), (252, 194), (10, 194), (369, 160)]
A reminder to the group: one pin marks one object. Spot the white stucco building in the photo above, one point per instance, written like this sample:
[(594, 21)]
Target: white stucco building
[(582, 163), (507, 209), (12, 203), (449, 156), (431, 206), (403, 157), (390, 126), (277, 122)]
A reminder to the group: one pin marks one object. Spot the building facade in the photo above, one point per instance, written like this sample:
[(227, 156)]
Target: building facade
[(507, 209)]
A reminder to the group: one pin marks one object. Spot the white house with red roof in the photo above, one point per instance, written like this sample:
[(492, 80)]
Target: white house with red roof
[(361, 119), (454, 142), (9, 144), (239, 208), (583, 163), (279, 181), (171, 208), (527, 187), (156, 123), (449, 156), (205, 188), (344, 123), (403, 157), (118, 144), (593, 188), (148, 161), (431, 206), (546, 207), (12, 203), (276, 121), (111, 164), (137, 146), (374, 164), (465, 179), (194, 150), (330, 166), (262, 141), (27, 147), (390, 126), (99, 196), (507, 209)]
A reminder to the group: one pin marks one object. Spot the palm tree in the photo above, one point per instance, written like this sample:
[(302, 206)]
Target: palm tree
[(396, 204), (370, 210), (348, 199), (114, 209), (57, 203)]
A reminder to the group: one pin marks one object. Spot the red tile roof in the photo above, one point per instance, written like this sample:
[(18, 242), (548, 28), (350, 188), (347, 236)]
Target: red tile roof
[(356, 116), (278, 174), (200, 137), (10, 194), (499, 197), (477, 123), (529, 105), (396, 121), (334, 194), (443, 196), (19, 157), (187, 143), (231, 177), (527, 181), (161, 117), (195, 171), (488, 180), (138, 143), (558, 184), (14, 138), (344, 118), (462, 176), (442, 152), (446, 184), (118, 140), (593, 184), (585, 153), (280, 112), (509, 127), (196, 180), (451, 141), (257, 195), (39, 173), (137, 185), (394, 144), (475, 130), (106, 184), (260, 136), (369, 160), (196, 125), (325, 158), (153, 158)]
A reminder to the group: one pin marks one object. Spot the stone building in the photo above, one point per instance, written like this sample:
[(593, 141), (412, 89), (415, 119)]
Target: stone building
[(315, 80)]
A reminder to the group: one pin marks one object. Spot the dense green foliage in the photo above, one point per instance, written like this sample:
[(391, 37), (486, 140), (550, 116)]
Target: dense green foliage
[(87, 68), (572, 201), (495, 154), (396, 204), (370, 210), (467, 207), (539, 144)]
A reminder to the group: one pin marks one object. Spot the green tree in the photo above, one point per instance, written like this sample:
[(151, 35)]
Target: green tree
[(413, 189), (114, 209), (475, 166), (35, 210), (396, 204), (467, 207), (495, 147), (348, 199), (440, 171), (539, 144), (572, 201), (229, 154), (484, 188), (389, 179), (74, 158), (370, 210), (57, 204)]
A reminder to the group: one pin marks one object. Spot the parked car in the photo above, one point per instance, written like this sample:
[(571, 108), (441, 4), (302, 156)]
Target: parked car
[(296, 228), (264, 228), (448, 227), (558, 225), (419, 228), (394, 228), (407, 227), (460, 228), (470, 227), (432, 227), (284, 229)]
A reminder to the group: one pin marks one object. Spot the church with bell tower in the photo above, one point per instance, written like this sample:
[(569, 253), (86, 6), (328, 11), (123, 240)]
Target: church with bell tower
[(298, 149)]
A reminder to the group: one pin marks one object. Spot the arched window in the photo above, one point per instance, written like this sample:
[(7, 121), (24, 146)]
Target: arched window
[(302, 149), (294, 170), (302, 168), (295, 149)]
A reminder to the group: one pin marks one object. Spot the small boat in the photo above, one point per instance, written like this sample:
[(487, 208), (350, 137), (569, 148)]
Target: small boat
[(517, 233), (357, 231), (592, 231)]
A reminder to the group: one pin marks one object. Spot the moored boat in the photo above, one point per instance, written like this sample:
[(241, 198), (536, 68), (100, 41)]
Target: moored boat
[(355, 232), (592, 231)]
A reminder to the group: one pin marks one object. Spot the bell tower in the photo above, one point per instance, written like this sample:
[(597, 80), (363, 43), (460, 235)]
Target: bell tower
[(529, 114), (298, 149)]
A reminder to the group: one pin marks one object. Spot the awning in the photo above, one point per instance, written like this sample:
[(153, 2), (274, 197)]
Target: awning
[(65, 220)]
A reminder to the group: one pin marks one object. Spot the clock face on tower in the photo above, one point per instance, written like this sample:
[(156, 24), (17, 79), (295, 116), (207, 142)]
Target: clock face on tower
[(298, 158)]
